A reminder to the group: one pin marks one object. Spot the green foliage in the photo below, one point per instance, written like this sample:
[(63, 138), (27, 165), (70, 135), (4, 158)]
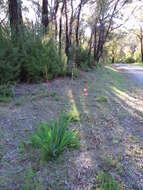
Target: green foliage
[(55, 137), (102, 99), (129, 60), (107, 182), (30, 58), (6, 92), (75, 73), (81, 57), (73, 116), (9, 59), (31, 181)]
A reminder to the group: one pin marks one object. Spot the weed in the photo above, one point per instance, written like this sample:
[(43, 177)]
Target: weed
[(108, 163), (31, 181), (73, 116), (55, 137), (102, 99), (107, 182), (53, 94), (75, 73), (6, 92)]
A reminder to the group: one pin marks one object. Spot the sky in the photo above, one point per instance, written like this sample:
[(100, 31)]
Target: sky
[(131, 23)]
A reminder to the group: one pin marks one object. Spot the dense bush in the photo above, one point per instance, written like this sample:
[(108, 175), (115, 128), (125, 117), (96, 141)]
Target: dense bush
[(129, 60), (80, 57), (30, 58), (9, 61)]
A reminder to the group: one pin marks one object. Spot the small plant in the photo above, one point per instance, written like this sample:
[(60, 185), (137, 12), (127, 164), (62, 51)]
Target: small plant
[(55, 96), (75, 73), (55, 137), (73, 116), (6, 92), (107, 182), (102, 99), (31, 181)]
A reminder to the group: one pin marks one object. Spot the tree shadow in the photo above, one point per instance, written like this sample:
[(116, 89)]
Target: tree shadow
[(110, 129)]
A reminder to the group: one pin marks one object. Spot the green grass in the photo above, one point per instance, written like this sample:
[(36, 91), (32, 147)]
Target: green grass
[(107, 182), (55, 137), (73, 116), (102, 99), (31, 181)]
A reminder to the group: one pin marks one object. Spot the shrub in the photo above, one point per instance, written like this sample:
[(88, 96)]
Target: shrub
[(29, 58), (55, 137), (73, 116), (6, 92), (80, 56), (102, 99), (9, 59), (129, 60)]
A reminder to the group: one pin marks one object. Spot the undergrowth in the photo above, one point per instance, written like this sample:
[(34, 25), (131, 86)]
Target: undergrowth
[(6, 92)]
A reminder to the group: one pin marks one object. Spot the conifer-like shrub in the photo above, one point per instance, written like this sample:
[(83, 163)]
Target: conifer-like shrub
[(29, 58)]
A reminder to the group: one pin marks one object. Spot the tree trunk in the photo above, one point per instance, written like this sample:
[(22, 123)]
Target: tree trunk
[(67, 31), (15, 16), (89, 51), (60, 29), (70, 24), (142, 49), (77, 25), (95, 42), (45, 16), (100, 42), (55, 18)]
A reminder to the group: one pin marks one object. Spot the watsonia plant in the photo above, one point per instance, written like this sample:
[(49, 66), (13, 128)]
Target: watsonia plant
[(55, 137)]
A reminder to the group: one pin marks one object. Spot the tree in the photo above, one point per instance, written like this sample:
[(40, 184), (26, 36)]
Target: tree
[(105, 13), (15, 16), (45, 15)]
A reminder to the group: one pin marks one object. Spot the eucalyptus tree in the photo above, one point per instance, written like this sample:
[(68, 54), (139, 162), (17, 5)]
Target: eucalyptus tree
[(15, 17), (106, 11)]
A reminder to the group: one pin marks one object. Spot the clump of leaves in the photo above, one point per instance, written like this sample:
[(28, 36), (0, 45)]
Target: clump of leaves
[(102, 99), (73, 116), (6, 92), (55, 137), (107, 182), (55, 96), (75, 73)]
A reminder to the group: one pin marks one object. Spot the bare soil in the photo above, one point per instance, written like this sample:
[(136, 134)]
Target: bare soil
[(110, 132)]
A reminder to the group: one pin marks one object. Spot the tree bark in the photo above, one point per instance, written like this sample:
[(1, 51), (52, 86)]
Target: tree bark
[(95, 42), (15, 16), (60, 29), (142, 50), (141, 40), (77, 25), (90, 48), (70, 24), (45, 16), (67, 31), (55, 18)]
